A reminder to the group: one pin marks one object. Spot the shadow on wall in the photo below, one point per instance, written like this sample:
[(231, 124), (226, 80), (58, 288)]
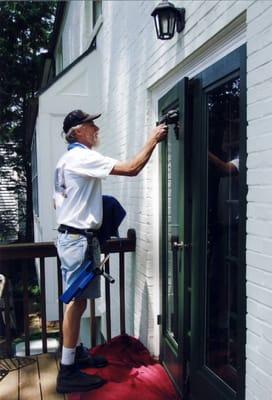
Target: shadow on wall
[(145, 315), (130, 294)]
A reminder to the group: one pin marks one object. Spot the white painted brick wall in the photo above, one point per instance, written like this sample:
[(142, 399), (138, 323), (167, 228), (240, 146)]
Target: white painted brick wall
[(259, 224)]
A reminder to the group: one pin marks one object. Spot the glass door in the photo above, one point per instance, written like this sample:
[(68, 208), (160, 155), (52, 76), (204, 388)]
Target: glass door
[(222, 255), (174, 237), (219, 216)]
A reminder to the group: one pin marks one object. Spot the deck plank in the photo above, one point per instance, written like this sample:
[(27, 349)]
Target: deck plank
[(29, 382), (36, 381), (48, 374), (9, 386)]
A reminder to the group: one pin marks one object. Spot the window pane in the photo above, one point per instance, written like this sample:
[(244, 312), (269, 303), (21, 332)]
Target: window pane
[(173, 231), (223, 105)]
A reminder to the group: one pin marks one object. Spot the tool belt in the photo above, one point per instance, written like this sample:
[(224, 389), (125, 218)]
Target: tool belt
[(70, 229), (90, 234)]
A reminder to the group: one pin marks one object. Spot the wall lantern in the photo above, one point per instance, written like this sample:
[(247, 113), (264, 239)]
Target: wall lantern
[(166, 17)]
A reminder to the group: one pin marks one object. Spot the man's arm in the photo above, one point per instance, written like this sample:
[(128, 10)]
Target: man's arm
[(225, 168), (134, 166)]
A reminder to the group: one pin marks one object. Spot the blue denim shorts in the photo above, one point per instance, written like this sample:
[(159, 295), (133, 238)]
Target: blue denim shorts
[(72, 250)]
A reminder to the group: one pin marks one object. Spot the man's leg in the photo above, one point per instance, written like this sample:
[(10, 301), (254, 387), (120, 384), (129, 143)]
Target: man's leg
[(71, 322), (71, 327), (70, 378), (73, 351)]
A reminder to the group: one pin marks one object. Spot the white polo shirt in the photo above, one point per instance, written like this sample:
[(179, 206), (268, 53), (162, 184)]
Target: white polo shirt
[(77, 191)]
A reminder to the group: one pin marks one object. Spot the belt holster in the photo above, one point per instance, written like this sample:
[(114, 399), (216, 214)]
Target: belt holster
[(90, 249)]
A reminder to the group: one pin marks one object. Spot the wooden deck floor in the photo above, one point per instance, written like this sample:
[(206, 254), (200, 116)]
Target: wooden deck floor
[(36, 381)]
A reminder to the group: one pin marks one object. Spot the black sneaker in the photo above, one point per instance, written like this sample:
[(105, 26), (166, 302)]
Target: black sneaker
[(70, 379), (85, 360)]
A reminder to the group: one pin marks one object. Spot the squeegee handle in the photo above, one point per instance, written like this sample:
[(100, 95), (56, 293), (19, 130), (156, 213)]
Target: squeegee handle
[(108, 277)]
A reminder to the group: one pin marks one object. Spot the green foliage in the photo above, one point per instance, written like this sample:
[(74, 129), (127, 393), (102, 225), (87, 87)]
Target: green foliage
[(34, 291), (25, 28)]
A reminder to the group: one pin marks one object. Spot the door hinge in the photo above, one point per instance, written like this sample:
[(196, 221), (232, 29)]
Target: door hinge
[(159, 319)]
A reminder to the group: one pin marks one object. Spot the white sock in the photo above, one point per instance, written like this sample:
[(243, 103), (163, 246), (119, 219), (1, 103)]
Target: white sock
[(68, 356)]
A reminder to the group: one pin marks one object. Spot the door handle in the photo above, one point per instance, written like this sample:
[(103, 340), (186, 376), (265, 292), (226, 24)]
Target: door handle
[(180, 245)]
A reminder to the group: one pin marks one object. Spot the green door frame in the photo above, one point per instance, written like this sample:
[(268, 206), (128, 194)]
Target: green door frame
[(189, 355), (174, 356), (204, 383)]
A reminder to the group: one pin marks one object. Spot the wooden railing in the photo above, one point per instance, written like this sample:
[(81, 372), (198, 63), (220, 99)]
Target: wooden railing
[(31, 251)]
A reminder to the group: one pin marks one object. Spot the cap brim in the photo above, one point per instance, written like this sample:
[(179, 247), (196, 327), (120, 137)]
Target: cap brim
[(91, 117)]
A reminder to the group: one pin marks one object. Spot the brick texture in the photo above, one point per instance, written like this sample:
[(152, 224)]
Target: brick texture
[(259, 224)]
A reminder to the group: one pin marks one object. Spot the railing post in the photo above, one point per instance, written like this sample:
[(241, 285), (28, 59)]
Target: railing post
[(7, 317), (43, 305), (60, 290), (107, 297), (93, 323), (122, 292), (26, 309)]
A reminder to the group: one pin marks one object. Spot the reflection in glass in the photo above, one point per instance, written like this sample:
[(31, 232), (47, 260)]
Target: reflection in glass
[(222, 230), (173, 228)]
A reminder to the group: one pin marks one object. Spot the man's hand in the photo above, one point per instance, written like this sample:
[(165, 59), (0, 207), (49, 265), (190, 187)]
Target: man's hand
[(159, 133)]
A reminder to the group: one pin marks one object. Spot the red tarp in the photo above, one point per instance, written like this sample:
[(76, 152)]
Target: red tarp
[(132, 374)]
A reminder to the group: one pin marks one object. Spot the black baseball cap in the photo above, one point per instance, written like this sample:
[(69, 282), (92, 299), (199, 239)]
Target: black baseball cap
[(77, 117)]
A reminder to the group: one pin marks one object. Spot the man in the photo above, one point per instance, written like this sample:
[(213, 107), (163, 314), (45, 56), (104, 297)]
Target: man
[(78, 203)]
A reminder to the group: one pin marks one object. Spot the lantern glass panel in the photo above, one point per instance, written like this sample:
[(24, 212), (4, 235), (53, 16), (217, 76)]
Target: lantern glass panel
[(157, 24), (172, 23), (165, 25), (168, 24)]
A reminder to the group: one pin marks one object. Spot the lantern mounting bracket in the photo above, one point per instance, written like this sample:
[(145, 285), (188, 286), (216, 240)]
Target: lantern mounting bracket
[(180, 19)]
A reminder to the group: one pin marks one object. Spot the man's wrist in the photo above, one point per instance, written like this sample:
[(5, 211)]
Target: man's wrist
[(152, 141)]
